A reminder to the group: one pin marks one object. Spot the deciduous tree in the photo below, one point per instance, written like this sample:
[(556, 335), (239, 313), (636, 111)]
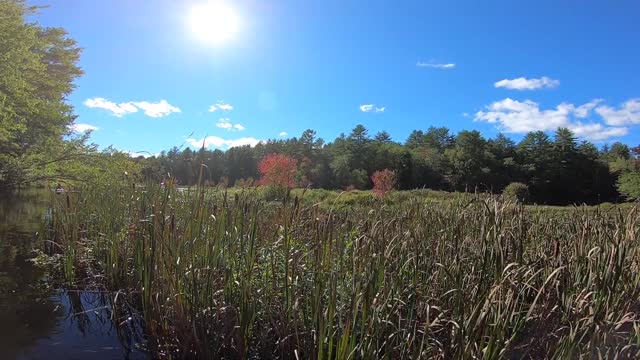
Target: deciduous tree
[(37, 69), (278, 170), (384, 181)]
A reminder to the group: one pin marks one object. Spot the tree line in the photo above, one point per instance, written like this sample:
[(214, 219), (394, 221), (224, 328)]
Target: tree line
[(557, 170)]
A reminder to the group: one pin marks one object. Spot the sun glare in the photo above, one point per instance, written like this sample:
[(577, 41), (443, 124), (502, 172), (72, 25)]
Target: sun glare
[(213, 22)]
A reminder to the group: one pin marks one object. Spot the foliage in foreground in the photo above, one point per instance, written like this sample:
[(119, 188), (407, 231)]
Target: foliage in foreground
[(38, 66), (216, 276)]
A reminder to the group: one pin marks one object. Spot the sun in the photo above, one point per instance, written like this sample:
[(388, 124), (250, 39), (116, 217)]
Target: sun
[(213, 22)]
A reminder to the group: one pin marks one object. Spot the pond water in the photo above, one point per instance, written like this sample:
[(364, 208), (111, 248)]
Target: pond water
[(37, 320)]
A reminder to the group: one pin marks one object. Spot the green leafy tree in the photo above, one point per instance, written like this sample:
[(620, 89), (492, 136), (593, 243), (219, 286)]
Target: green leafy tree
[(535, 156), (505, 168), (629, 185), (439, 138), (37, 69), (470, 161)]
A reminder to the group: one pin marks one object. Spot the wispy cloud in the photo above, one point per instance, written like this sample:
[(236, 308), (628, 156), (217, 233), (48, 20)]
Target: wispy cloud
[(151, 109), (627, 114), (220, 105), (513, 116), (436, 65), (283, 134), (218, 142), (80, 128), (371, 108), (523, 83), (225, 123)]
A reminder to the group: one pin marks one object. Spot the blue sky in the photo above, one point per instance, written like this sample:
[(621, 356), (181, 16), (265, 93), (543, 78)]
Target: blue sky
[(512, 66)]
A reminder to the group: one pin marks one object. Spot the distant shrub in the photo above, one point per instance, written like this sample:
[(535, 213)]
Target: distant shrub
[(518, 191), (384, 182)]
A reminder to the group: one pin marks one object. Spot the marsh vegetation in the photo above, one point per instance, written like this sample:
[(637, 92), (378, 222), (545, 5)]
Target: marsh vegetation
[(215, 274)]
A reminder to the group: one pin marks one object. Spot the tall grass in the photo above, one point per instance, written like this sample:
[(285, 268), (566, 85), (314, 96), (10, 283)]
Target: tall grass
[(231, 276)]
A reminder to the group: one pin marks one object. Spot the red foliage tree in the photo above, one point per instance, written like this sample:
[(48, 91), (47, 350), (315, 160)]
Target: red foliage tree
[(384, 182), (278, 170)]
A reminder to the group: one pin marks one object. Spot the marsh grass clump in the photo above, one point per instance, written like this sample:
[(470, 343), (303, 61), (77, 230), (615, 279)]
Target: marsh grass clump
[(221, 275)]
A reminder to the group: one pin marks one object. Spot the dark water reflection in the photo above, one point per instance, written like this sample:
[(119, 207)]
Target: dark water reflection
[(41, 322)]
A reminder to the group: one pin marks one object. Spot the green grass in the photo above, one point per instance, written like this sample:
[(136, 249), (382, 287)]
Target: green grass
[(344, 275)]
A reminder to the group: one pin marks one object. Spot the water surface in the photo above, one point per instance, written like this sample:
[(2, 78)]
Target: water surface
[(39, 320)]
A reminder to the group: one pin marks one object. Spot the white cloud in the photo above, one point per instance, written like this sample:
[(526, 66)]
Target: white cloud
[(80, 128), (628, 114), (435, 65), (520, 117), (523, 83), (152, 109), (243, 141), (584, 110), (118, 110), (144, 154), (597, 131), (371, 108), (225, 123), (218, 142), (220, 105), (159, 109), (283, 133), (514, 116)]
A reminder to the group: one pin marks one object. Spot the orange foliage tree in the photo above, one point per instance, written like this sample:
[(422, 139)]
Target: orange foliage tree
[(278, 170), (384, 182)]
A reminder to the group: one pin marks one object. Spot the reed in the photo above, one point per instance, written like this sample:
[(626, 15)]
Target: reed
[(220, 275)]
